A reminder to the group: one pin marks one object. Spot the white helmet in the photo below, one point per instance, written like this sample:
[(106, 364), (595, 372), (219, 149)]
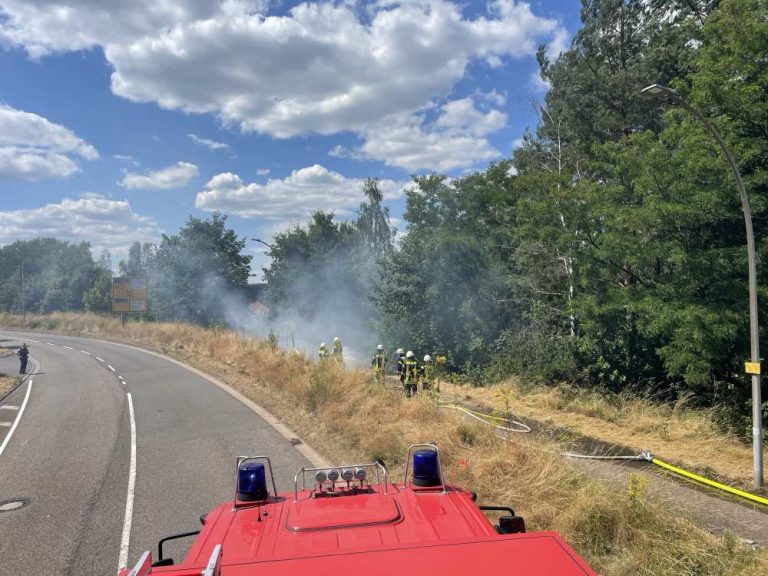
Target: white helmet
[(409, 354), (400, 351), (380, 347), (336, 340), (427, 358)]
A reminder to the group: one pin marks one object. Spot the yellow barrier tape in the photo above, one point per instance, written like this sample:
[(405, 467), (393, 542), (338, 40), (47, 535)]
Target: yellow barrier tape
[(697, 478)]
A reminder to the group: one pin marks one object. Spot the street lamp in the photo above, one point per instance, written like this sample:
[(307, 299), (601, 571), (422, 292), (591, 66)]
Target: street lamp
[(267, 244), (752, 367)]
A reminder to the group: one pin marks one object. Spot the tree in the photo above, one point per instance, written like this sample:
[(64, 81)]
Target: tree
[(373, 221), (139, 256), (56, 275), (195, 274), (446, 289)]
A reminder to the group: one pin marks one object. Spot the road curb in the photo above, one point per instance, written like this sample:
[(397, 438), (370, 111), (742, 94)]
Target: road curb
[(24, 379)]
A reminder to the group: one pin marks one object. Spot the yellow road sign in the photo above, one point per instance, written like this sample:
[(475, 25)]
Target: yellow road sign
[(129, 294), (752, 367)]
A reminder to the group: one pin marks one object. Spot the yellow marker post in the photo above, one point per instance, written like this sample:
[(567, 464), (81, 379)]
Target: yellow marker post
[(752, 368)]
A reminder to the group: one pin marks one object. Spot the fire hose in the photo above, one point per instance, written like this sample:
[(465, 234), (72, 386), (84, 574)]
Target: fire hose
[(644, 456)]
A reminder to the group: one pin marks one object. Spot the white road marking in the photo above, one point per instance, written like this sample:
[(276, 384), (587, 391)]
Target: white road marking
[(99, 359), (6, 424), (9, 407), (35, 341), (86, 353), (50, 344), (18, 417), (125, 540), (67, 347), (110, 367)]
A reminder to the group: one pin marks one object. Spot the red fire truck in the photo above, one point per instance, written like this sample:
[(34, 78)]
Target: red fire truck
[(354, 520)]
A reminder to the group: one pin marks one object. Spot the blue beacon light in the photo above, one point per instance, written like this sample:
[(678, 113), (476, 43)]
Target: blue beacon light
[(251, 482), (426, 470)]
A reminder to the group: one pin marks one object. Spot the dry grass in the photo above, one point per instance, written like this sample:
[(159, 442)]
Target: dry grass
[(347, 417), (6, 383), (676, 433)]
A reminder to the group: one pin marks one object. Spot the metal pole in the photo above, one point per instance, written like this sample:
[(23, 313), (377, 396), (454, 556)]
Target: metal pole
[(754, 328)]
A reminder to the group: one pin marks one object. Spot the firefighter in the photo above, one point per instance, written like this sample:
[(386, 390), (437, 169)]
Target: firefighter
[(23, 354), (401, 365), (411, 370), (337, 354), (379, 364), (427, 376), (322, 354)]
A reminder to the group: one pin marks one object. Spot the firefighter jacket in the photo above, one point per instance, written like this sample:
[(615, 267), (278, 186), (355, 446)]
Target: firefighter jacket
[(427, 374), (379, 361), (411, 371)]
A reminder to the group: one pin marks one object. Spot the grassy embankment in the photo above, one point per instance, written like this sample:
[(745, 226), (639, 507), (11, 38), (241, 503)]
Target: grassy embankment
[(6, 381), (681, 435), (343, 415)]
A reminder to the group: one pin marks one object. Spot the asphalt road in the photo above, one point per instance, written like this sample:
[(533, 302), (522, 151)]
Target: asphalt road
[(70, 455)]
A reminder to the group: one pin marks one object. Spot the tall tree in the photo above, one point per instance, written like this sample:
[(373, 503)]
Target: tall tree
[(193, 275), (373, 221)]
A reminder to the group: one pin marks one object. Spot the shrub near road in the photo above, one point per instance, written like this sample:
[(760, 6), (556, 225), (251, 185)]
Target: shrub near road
[(344, 415)]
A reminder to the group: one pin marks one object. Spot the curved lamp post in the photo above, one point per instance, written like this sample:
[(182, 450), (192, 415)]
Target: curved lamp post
[(267, 244), (752, 367)]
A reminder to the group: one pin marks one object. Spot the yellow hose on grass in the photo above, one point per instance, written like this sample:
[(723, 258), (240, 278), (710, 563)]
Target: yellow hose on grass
[(708, 482)]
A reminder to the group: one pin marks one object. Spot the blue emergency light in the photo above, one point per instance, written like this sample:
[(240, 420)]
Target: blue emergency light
[(251, 482), (426, 469)]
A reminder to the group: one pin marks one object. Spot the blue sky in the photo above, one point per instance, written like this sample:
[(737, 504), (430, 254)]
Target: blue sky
[(119, 118)]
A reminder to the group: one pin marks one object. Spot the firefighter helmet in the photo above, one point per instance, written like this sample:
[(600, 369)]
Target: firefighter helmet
[(427, 358), (409, 354)]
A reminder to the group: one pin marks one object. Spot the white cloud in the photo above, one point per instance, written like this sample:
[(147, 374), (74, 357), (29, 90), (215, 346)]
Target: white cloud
[(539, 84), (456, 139), (292, 198), (321, 67), (33, 148), (210, 144), (263, 171), (175, 176), (108, 224)]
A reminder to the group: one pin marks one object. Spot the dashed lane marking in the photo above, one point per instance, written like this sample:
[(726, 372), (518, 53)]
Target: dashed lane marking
[(35, 341), (110, 367), (67, 347), (6, 424), (99, 359), (84, 352), (50, 344), (8, 407)]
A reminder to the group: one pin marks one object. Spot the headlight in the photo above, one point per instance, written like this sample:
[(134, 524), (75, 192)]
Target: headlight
[(360, 473), (333, 475), (320, 476)]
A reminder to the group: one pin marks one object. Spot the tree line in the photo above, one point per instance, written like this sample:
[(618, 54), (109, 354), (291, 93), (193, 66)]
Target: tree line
[(608, 250)]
